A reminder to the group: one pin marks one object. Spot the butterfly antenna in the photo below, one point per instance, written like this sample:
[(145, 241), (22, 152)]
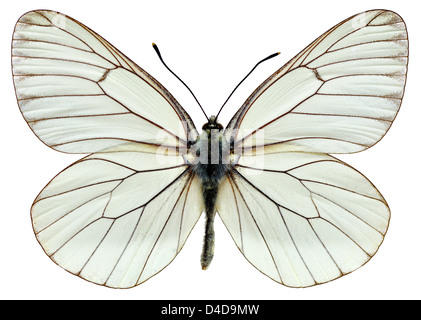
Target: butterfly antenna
[(263, 60), (162, 60)]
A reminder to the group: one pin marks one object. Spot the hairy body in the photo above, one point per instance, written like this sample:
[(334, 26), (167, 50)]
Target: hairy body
[(212, 154)]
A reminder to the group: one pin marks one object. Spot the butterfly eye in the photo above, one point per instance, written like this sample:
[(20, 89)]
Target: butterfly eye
[(213, 126)]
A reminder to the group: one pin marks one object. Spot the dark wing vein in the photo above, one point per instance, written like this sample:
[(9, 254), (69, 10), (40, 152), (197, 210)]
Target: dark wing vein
[(188, 180), (232, 179)]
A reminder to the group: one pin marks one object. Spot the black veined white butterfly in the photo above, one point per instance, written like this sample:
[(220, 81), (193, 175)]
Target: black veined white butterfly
[(121, 214)]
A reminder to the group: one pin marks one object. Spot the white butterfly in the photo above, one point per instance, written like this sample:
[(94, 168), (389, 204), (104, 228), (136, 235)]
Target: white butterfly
[(121, 214)]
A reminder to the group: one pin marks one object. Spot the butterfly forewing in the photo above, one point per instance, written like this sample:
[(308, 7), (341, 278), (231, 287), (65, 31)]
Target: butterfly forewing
[(339, 95), (79, 94)]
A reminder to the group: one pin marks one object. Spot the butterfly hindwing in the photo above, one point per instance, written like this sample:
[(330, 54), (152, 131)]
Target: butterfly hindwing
[(302, 219), (117, 218)]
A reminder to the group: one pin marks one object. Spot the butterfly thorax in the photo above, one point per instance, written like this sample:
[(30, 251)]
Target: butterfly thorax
[(212, 163), (212, 154)]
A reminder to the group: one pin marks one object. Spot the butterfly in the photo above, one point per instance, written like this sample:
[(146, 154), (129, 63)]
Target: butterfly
[(121, 214)]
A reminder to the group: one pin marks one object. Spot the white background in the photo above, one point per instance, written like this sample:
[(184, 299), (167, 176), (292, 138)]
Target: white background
[(211, 45)]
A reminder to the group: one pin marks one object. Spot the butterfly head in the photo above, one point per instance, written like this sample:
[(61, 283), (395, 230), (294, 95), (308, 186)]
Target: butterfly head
[(212, 124)]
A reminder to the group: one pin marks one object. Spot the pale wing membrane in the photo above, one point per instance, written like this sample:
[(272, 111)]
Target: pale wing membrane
[(79, 94), (339, 95), (302, 219), (118, 218)]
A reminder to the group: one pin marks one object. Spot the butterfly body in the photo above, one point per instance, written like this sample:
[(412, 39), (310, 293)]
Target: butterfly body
[(211, 167)]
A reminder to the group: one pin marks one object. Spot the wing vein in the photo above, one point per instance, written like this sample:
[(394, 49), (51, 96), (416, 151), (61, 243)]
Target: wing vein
[(51, 42), (127, 244), (238, 212), (79, 116), (351, 213), (296, 246), (338, 187), (182, 213), (188, 179), (340, 115), (96, 248), (264, 194), (257, 226), (61, 59), (369, 42)]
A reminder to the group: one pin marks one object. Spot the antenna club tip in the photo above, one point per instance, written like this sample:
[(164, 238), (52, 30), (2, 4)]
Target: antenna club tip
[(155, 47)]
